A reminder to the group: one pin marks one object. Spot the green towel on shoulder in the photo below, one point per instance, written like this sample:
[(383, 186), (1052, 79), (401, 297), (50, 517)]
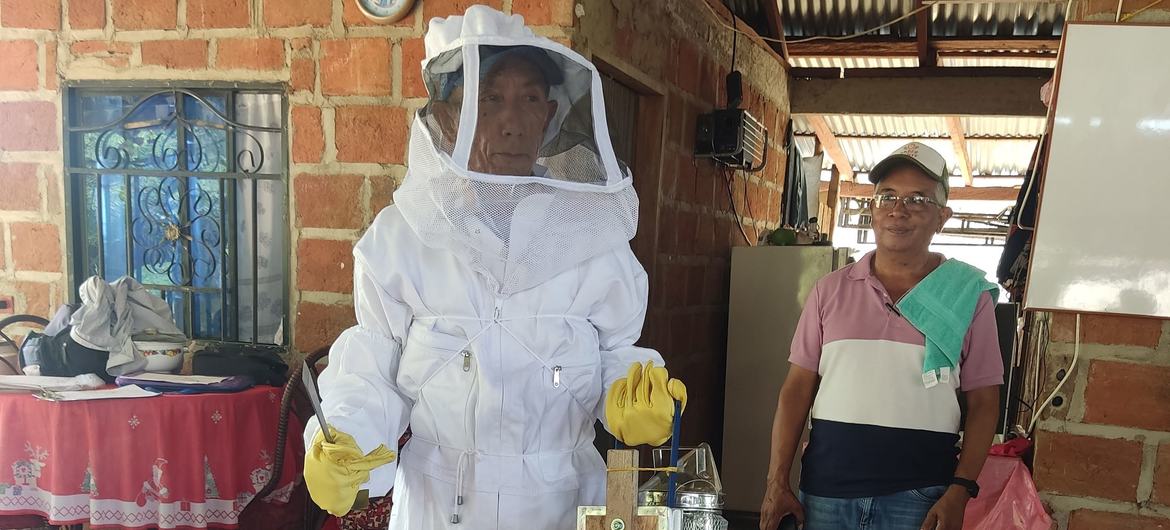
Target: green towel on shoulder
[(941, 306)]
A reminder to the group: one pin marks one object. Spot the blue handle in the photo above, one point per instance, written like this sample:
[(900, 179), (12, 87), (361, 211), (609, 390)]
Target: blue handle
[(674, 453)]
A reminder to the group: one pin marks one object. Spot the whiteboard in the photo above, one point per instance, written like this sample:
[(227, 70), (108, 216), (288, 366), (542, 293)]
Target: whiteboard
[(1102, 241)]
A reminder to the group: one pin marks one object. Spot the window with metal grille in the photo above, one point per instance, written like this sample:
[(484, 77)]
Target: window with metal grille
[(184, 189)]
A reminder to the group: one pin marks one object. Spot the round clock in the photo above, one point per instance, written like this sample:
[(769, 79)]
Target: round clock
[(385, 11)]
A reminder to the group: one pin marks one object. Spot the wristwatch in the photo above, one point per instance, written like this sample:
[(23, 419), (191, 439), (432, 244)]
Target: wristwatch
[(971, 486)]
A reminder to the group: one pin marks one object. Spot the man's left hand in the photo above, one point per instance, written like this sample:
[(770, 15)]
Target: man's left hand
[(947, 513)]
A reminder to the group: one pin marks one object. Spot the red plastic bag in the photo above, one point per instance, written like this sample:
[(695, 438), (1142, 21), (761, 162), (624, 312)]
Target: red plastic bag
[(1007, 499)]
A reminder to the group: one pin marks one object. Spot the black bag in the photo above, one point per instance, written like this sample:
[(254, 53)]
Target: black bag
[(60, 355), (262, 363)]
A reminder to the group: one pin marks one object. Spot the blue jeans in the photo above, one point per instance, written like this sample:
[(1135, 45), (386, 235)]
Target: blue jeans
[(904, 510)]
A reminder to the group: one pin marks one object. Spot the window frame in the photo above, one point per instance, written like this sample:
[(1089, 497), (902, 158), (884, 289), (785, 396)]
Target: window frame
[(72, 184)]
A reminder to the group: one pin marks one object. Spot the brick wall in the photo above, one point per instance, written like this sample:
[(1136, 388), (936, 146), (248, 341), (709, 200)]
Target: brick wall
[(679, 53), (1103, 456), (348, 80)]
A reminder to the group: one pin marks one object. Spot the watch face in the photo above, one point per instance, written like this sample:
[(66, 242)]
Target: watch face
[(384, 9)]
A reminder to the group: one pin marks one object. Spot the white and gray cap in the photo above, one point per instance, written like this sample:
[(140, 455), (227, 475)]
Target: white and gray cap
[(920, 156)]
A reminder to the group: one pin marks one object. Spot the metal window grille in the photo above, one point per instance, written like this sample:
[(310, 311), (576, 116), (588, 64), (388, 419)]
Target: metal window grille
[(184, 188)]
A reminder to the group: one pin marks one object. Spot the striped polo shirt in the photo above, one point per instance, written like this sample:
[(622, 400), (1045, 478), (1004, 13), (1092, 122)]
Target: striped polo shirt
[(876, 428)]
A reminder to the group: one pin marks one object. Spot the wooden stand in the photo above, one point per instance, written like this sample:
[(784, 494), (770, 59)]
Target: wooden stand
[(621, 511)]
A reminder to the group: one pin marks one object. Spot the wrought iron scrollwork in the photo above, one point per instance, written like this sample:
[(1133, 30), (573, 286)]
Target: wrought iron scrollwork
[(158, 139), (166, 235)]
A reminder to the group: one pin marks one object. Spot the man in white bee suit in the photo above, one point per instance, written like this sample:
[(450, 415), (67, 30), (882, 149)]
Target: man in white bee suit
[(497, 300)]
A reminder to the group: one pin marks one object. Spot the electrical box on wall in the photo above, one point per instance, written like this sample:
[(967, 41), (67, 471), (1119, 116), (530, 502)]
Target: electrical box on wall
[(733, 137)]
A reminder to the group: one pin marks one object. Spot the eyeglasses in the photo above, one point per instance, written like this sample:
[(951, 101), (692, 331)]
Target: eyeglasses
[(912, 203)]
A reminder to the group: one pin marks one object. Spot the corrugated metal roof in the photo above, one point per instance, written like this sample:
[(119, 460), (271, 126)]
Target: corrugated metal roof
[(997, 19), (883, 125), (805, 61), (1003, 126), (987, 157), (996, 145), (1023, 62), (805, 18)]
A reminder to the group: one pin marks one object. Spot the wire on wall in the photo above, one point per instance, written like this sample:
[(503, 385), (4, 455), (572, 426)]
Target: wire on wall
[(1067, 374)]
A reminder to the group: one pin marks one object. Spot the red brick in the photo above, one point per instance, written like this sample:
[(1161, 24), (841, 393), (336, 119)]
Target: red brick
[(382, 189), (359, 67), (352, 16), (666, 230), (674, 118), (18, 62), (218, 14), (36, 298), (87, 14), (303, 74), (328, 201), (696, 282), (687, 227), (252, 54), (36, 247), (413, 53), (21, 187), (1162, 476), (308, 141), (177, 54), (319, 325), (1086, 466), (288, 13), (456, 7), (29, 126), (116, 54), (708, 82), (545, 12), (1129, 394), (371, 134), (100, 47), (325, 265), (31, 14), (687, 75), (145, 14), (51, 65), (1094, 520), (1108, 329), (56, 199)]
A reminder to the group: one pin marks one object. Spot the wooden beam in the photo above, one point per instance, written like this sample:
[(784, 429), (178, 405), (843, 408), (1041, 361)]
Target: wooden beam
[(926, 56), (977, 95), (886, 47), (834, 202), (776, 27), (853, 48), (959, 142), (805, 134), (1025, 44), (831, 146), (965, 193), (931, 72)]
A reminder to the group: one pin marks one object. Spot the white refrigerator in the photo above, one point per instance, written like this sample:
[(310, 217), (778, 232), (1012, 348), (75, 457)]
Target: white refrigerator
[(768, 288)]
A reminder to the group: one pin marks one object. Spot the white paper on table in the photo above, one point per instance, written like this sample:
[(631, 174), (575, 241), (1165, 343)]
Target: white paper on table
[(181, 379), (44, 382), (122, 392)]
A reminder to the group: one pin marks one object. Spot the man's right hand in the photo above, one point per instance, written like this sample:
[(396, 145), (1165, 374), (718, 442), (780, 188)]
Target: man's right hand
[(779, 501)]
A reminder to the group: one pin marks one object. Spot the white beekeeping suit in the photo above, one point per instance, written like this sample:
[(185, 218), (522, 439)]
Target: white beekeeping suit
[(497, 300)]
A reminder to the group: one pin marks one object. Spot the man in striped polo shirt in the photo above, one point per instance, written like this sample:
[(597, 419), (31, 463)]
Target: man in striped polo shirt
[(883, 452)]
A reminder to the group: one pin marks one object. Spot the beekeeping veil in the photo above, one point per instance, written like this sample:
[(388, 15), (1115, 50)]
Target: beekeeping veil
[(510, 161)]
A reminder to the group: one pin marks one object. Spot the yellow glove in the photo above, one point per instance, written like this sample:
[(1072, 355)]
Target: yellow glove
[(335, 471), (640, 406)]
